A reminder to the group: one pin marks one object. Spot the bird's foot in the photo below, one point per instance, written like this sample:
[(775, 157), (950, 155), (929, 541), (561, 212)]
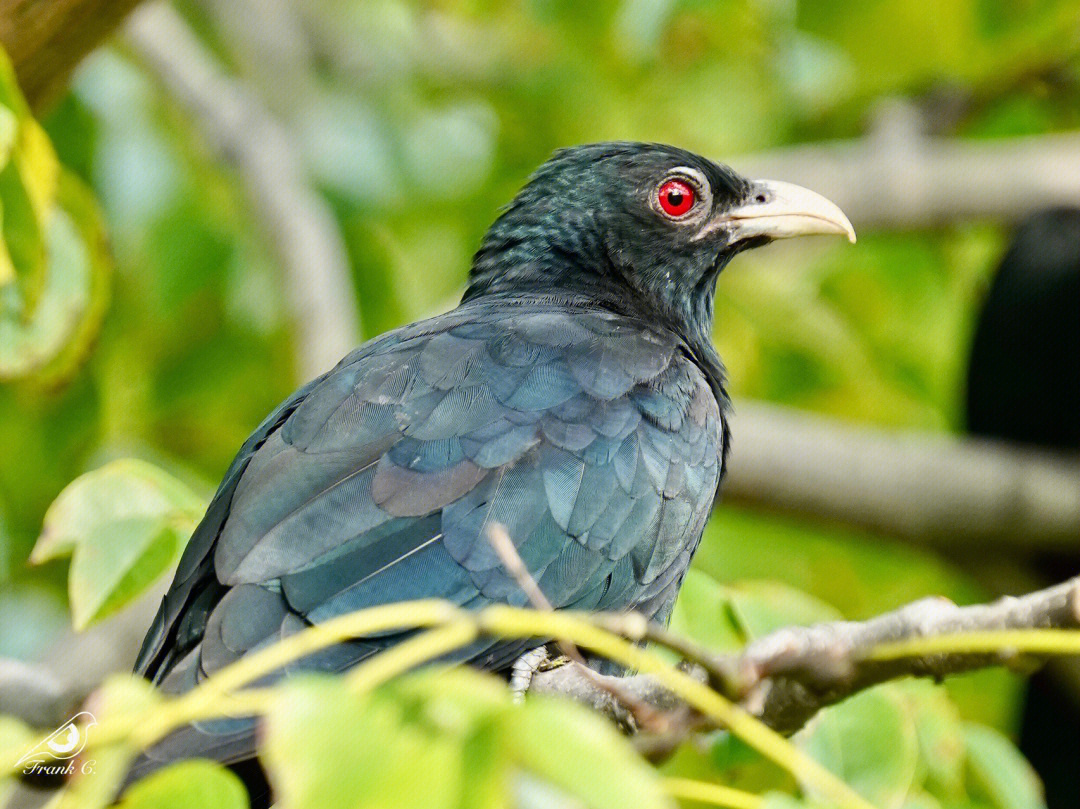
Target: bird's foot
[(526, 667)]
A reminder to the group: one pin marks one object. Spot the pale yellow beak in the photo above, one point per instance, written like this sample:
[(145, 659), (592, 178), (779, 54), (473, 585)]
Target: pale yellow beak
[(780, 211)]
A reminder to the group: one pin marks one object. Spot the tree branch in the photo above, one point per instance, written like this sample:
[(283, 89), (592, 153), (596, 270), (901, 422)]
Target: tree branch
[(788, 676), (295, 218), (897, 177), (46, 39), (933, 488)]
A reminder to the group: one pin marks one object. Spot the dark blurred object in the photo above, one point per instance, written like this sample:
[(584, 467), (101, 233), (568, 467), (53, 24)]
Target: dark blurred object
[(1024, 385), (1024, 372)]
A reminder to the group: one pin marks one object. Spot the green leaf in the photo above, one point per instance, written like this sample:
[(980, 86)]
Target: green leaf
[(765, 606), (329, 748), (869, 741), (125, 524), (704, 612), (38, 165), (998, 773), (940, 735), (15, 737), (205, 784), (581, 754), (487, 772), (444, 738), (8, 275), (451, 700), (102, 769), (54, 266), (725, 617), (116, 562), (50, 341), (9, 127), (23, 232), (28, 185), (11, 96)]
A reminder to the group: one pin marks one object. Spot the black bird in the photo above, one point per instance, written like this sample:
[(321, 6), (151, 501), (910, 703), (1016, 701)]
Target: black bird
[(1024, 385), (574, 396), (1024, 369)]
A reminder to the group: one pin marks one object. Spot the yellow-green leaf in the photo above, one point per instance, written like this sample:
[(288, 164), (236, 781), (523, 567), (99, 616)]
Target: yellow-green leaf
[(328, 747), (51, 341), (582, 755), (54, 267), (201, 783), (998, 773), (125, 524), (15, 737), (869, 741)]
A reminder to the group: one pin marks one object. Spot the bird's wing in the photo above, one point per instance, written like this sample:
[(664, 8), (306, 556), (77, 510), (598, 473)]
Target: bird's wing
[(590, 440), (195, 565)]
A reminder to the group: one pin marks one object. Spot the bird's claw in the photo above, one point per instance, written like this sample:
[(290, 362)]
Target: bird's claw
[(526, 667)]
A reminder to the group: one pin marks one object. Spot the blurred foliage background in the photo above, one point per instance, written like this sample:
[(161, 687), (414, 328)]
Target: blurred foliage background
[(416, 121)]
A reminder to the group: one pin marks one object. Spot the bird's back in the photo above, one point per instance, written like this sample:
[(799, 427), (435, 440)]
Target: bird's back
[(593, 437)]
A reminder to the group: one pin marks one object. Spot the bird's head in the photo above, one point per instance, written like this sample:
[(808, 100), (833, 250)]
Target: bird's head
[(644, 227)]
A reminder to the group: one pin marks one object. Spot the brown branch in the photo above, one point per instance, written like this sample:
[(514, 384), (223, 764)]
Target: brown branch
[(46, 39), (788, 676)]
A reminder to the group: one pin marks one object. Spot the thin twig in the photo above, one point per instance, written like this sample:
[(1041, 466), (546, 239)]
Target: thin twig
[(689, 789), (503, 546), (720, 670), (643, 714)]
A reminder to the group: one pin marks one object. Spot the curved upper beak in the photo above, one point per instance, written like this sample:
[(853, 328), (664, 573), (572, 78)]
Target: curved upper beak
[(779, 210)]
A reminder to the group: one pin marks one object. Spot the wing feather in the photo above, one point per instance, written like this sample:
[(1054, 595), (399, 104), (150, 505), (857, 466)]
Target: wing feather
[(592, 438)]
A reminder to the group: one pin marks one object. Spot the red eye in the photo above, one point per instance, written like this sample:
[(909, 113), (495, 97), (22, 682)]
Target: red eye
[(676, 198)]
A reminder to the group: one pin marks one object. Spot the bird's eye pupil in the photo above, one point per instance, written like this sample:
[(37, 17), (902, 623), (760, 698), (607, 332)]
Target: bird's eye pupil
[(676, 198)]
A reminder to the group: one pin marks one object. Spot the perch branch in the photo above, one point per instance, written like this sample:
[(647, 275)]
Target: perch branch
[(642, 714), (788, 676), (933, 488), (295, 218)]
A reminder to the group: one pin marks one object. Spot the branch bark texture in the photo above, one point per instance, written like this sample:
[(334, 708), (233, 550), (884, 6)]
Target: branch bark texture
[(46, 39), (898, 177), (938, 489), (788, 676)]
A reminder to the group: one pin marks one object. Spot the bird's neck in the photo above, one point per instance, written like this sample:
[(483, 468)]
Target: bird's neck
[(584, 274), (538, 250)]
